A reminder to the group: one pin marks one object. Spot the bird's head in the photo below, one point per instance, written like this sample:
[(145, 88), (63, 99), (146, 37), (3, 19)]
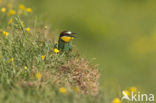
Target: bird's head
[(67, 36)]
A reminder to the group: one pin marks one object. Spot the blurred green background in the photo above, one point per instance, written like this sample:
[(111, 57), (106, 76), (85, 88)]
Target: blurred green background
[(120, 34)]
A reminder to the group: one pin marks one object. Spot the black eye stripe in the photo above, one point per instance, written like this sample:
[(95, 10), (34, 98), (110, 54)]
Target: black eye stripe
[(65, 33)]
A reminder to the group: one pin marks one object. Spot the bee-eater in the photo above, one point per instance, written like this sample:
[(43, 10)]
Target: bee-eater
[(64, 41)]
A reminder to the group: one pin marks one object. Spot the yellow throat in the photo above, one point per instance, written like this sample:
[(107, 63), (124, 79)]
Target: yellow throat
[(66, 38)]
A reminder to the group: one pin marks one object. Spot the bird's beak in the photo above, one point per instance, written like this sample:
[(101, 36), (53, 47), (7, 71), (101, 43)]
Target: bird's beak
[(73, 34)]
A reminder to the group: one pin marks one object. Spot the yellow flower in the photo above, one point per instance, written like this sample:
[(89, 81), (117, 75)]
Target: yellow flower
[(21, 6), (133, 89), (12, 12), (11, 60), (5, 33), (43, 57), (126, 92), (25, 67), (10, 21), (27, 29), (3, 10), (56, 50), (28, 10), (62, 90), (38, 75), (116, 100)]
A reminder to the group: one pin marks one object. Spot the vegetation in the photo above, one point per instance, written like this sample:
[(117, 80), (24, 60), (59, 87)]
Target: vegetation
[(32, 70), (120, 34)]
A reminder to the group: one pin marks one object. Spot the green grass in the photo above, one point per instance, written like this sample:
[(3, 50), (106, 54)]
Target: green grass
[(21, 61), (110, 31), (21, 56)]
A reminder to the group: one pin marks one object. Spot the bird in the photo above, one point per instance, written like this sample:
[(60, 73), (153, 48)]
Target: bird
[(64, 41)]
